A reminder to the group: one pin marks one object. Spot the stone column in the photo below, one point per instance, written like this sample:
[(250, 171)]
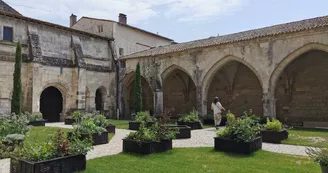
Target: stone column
[(199, 102), (269, 105), (158, 109)]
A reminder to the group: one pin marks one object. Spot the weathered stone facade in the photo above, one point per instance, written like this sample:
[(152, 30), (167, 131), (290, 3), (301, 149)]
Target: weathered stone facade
[(74, 62), (276, 71)]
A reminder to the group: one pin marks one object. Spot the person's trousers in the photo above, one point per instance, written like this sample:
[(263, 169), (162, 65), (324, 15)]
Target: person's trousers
[(217, 119)]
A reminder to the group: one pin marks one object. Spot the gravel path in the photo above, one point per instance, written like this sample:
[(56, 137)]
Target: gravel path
[(199, 138)]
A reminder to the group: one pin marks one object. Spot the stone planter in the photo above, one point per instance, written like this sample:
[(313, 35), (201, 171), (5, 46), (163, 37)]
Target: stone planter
[(184, 131), (96, 138), (324, 169), (68, 164), (192, 125), (228, 145), (135, 125), (110, 128), (146, 147), (69, 121), (37, 123), (274, 137)]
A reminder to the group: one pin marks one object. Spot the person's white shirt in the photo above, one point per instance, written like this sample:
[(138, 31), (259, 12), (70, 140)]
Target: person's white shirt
[(216, 108)]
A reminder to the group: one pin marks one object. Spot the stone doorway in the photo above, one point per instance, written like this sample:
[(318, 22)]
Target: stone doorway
[(99, 101), (51, 104)]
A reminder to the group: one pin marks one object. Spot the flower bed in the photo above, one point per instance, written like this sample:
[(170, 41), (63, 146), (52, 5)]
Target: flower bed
[(191, 120), (136, 125), (110, 128), (184, 131), (69, 164), (229, 145), (273, 136), (35, 119), (142, 147), (37, 123), (192, 125), (97, 139), (69, 121)]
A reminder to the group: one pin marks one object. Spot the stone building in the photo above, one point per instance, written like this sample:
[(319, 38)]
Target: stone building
[(128, 39), (275, 71), (63, 69)]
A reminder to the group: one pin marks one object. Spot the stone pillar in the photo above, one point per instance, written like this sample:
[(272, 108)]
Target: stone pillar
[(81, 89), (199, 102), (269, 105), (158, 109)]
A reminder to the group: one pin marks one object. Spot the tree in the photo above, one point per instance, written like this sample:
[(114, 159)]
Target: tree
[(138, 90), (16, 100)]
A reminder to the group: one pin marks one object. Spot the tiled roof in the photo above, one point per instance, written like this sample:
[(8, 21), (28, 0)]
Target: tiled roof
[(126, 25), (27, 19), (7, 8), (231, 38)]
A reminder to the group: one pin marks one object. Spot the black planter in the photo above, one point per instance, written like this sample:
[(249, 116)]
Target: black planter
[(135, 125), (144, 148), (324, 169), (233, 146), (37, 123), (69, 121), (110, 128), (96, 138), (208, 121), (68, 164), (184, 131), (274, 137), (192, 125)]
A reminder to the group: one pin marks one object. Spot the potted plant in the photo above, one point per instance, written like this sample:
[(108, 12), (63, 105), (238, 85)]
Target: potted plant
[(75, 117), (239, 136), (35, 119), (319, 155), (141, 117), (273, 132), (57, 155), (191, 120), (208, 119), (183, 131), (86, 128), (101, 121)]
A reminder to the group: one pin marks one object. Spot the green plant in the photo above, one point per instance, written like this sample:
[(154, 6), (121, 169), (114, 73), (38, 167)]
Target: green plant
[(143, 117), (230, 118), (242, 129), (138, 90), (319, 155), (34, 117), (274, 125), (87, 126), (100, 120), (13, 124), (191, 117), (16, 100)]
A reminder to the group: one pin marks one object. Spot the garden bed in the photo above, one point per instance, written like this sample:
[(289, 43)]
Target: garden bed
[(274, 137), (68, 164), (96, 138), (228, 145), (37, 123), (69, 121), (110, 128), (192, 125), (184, 131), (146, 147), (136, 125)]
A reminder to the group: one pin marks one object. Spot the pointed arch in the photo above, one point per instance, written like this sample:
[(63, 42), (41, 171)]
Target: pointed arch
[(171, 69)]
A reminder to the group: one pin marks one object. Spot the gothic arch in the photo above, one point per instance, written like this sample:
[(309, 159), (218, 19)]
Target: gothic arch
[(100, 98), (51, 104), (171, 69)]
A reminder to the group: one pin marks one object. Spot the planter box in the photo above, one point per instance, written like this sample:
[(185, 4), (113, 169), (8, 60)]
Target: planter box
[(274, 137), (69, 121), (68, 164), (135, 125), (192, 125), (324, 169), (208, 121), (184, 131), (146, 147), (233, 146), (110, 129), (37, 123), (96, 138)]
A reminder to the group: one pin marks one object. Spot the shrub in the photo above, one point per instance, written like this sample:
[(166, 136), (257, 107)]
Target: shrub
[(319, 155), (16, 100), (138, 90), (191, 117), (143, 117), (100, 120), (230, 118), (34, 117), (13, 125), (87, 126), (274, 125)]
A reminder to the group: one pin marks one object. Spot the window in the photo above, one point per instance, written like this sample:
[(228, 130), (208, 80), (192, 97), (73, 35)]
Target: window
[(121, 51), (100, 28), (7, 33)]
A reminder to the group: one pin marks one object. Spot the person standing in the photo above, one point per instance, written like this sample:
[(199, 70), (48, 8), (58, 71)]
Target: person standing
[(217, 109)]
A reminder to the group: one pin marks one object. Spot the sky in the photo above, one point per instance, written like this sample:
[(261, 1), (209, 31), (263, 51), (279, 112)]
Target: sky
[(180, 20)]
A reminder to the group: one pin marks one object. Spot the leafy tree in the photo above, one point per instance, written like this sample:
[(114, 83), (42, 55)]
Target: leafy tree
[(138, 90), (16, 101)]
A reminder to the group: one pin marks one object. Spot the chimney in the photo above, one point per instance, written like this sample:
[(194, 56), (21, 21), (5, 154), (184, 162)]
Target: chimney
[(122, 18), (72, 20)]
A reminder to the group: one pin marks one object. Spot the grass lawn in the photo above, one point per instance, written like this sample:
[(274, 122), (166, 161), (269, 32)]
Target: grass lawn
[(196, 160), (41, 134), (120, 124), (308, 137)]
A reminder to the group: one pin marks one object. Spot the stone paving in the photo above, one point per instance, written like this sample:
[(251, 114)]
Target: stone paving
[(199, 138)]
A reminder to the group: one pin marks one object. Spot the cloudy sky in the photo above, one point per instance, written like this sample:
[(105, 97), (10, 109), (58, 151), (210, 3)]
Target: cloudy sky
[(181, 20)]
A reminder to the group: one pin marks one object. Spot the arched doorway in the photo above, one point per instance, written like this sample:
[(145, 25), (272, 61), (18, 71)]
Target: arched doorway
[(100, 99), (179, 92), (238, 89), (51, 104), (301, 90)]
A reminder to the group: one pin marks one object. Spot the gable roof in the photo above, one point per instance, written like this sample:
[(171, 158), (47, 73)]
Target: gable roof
[(236, 37), (7, 8), (27, 19), (126, 25)]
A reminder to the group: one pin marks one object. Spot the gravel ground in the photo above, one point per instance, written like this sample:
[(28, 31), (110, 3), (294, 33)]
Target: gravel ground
[(199, 138)]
